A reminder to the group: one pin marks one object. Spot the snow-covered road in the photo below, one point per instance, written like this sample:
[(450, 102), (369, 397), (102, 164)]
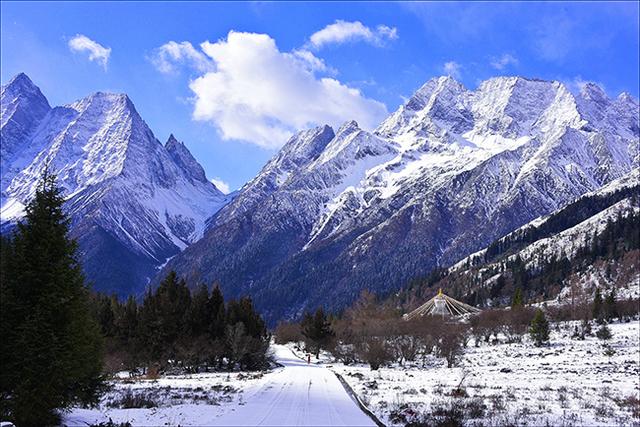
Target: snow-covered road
[(296, 395)]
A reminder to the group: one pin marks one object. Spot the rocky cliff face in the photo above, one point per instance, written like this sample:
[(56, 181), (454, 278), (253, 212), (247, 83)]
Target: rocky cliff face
[(442, 177), (133, 202)]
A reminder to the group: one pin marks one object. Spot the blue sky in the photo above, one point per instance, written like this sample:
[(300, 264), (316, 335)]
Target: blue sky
[(234, 99)]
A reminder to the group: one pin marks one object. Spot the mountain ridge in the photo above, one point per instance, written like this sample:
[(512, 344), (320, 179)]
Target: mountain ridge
[(440, 178), (124, 189)]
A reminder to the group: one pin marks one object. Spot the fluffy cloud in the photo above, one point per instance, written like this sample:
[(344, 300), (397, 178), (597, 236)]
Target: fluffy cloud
[(221, 185), (261, 95), (504, 61), (452, 69), (170, 55), (97, 52), (343, 31)]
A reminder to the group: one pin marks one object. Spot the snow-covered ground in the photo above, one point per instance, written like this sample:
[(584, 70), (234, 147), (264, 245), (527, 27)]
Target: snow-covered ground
[(295, 394), (570, 382)]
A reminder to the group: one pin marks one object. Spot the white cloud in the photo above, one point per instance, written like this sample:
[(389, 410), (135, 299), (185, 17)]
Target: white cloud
[(170, 55), (343, 31), (504, 61), (221, 185), (97, 52), (261, 95), (452, 69)]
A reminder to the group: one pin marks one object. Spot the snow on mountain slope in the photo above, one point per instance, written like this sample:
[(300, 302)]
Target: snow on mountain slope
[(23, 107), (295, 155), (442, 177), (119, 181), (587, 244), (567, 241)]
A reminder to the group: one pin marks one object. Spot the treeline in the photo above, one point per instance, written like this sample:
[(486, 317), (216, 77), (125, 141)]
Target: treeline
[(56, 336), (619, 237), (175, 329), (569, 216), (374, 332), (540, 277)]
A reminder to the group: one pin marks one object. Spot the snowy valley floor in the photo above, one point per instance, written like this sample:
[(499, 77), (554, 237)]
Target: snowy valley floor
[(570, 382), (295, 394)]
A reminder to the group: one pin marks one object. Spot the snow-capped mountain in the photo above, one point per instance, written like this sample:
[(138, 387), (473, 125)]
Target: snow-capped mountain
[(133, 201), (586, 244), (442, 177), (556, 241)]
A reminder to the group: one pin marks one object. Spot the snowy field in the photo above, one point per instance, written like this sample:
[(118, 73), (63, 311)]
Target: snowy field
[(173, 400), (294, 394), (570, 382)]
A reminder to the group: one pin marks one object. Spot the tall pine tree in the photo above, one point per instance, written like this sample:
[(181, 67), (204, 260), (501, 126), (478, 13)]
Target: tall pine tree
[(539, 329), (597, 308), (51, 345), (518, 300), (317, 330)]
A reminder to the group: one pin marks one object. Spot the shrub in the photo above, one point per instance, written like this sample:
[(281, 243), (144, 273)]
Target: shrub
[(516, 322), (131, 399), (376, 352), (287, 332), (111, 423), (604, 333), (449, 344)]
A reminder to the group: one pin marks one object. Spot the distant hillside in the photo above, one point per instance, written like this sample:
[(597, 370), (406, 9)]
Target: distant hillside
[(594, 241)]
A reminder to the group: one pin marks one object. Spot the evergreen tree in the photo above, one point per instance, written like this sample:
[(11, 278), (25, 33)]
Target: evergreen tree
[(51, 345), (610, 309), (518, 300), (199, 314), (164, 319), (597, 308), (243, 311), (218, 313), (246, 335), (317, 330), (539, 329)]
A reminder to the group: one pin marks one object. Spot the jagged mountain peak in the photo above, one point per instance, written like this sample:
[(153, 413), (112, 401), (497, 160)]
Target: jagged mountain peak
[(439, 82), (24, 107), (446, 85), (129, 196), (22, 83), (351, 143), (506, 106), (592, 91), (308, 139), (105, 103), (183, 157), (348, 127), (627, 98), (171, 141), (303, 147), (21, 92)]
